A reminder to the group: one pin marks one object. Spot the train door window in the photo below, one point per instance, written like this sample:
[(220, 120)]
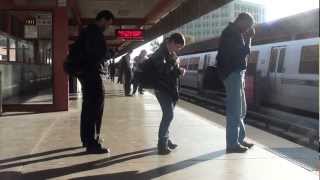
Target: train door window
[(273, 59), (3, 48), (309, 60), (252, 62), (12, 49), (195, 63), (207, 59), (282, 55), (196, 66), (188, 63)]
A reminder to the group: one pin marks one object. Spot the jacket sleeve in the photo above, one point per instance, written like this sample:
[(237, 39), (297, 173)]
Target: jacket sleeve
[(232, 47), (94, 46)]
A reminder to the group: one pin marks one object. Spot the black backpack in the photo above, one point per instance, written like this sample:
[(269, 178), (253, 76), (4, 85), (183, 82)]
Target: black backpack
[(149, 75), (74, 64)]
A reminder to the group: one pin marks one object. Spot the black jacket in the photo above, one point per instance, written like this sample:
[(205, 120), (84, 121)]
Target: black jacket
[(94, 48), (232, 51), (168, 71)]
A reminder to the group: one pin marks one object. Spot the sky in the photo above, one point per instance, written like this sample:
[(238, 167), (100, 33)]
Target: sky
[(276, 9)]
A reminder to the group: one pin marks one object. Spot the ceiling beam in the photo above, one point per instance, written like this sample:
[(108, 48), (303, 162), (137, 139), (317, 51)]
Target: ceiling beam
[(159, 10), (117, 21), (73, 38), (186, 12)]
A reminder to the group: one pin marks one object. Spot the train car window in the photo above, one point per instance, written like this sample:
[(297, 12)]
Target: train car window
[(3, 48), (309, 60), (194, 63), (12, 49), (273, 60), (281, 60)]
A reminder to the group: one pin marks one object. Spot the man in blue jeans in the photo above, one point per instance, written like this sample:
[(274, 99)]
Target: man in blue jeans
[(234, 47)]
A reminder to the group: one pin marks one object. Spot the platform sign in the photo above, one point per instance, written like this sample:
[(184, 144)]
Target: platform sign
[(130, 34), (61, 3), (30, 29)]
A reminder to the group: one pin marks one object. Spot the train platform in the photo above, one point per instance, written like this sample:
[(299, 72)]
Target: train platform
[(47, 146)]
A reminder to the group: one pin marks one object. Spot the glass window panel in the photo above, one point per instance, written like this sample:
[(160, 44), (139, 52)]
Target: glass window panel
[(309, 60), (12, 50), (3, 48)]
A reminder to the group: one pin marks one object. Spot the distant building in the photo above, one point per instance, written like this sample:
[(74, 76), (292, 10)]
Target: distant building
[(213, 23)]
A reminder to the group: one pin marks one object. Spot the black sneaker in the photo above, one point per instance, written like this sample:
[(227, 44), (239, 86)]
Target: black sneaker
[(84, 144), (164, 151), (97, 148), (247, 144), (171, 145), (163, 148), (237, 149)]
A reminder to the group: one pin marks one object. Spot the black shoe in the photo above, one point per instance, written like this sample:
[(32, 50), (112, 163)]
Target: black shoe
[(171, 145), (247, 144), (164, 151), (163, 148), (84, 144), (238, 149), (97, 148)]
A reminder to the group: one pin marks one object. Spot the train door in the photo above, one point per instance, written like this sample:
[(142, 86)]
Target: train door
[(250, 88), (194, 65), (184, 64), (276, 68), (203, 70)]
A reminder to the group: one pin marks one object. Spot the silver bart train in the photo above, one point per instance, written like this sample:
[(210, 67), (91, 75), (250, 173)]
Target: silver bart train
[(284, 75)]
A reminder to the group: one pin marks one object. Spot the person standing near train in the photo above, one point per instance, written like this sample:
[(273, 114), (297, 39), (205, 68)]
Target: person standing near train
[(234, 47)]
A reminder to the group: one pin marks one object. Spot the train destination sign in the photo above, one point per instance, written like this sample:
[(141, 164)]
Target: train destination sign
[(130, 34)]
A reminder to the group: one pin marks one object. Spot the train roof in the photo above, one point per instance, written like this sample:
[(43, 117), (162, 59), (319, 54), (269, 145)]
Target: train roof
[(300, 26)]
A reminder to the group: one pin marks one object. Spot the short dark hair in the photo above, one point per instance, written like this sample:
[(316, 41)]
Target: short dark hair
[(177, 38), (105, 14), (245, 16)]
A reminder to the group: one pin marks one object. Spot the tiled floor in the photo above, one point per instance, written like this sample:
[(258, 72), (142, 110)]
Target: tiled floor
[(47, 146)]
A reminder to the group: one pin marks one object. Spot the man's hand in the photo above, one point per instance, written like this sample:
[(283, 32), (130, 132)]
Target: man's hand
[(251, 32), (182, 71)]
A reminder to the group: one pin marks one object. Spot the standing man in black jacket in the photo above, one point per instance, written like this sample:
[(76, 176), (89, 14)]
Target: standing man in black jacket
[(94, 49), (234, 47)]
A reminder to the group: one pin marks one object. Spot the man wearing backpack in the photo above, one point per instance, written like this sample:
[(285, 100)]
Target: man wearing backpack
[(93, 49)]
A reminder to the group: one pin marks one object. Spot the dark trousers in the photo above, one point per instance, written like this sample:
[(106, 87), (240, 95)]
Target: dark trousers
[(127, 83), (167, 106), (112, 76), (92, 107), (136, 83)]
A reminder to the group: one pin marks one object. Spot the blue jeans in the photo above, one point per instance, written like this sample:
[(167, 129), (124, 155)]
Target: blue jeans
[(167, 106), (236, 108)]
